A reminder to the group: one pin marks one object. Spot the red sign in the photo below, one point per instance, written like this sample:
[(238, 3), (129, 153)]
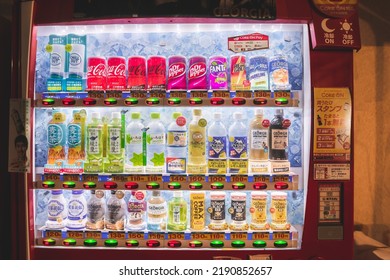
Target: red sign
[(335, 32), (249, 42)]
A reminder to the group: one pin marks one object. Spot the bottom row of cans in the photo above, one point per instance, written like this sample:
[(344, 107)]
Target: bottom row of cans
[(166, 210)]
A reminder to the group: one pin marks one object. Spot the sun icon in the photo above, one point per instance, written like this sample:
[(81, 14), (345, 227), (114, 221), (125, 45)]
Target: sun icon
[(346, 26)]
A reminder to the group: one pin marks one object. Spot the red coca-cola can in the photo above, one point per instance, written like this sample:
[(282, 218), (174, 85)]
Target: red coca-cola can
[(97, 73), (116, 73), (136, 68), (157, 72)]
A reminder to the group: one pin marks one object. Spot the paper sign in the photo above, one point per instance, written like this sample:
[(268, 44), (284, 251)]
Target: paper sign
[(332, 124), (19, 133), (250, 42)]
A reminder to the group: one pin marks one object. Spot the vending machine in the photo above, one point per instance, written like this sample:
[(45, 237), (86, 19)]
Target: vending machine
[(175, 130)]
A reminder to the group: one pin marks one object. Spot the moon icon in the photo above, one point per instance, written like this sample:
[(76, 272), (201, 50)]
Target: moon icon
[(325, 27)]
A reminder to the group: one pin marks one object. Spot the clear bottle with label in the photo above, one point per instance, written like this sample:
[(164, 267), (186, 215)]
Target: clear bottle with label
[(56, 139), (177, 212), (96, 206), (176, 144), (95, 142), (116, 211), (197, 143), (134, 150), (136, 208), (278, 137), (216, 145), (57, 210), (115, 151), (258, 137), (156, 212), (77, 210), (75, 138), (155, 145), (238, 145)]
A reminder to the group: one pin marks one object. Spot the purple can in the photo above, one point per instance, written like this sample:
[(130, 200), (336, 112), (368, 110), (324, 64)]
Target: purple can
[(218, 75), (177, 78), (197, 69)]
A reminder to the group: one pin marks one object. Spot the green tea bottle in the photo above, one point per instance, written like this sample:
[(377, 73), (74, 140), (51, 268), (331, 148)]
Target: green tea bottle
[(177, 212)]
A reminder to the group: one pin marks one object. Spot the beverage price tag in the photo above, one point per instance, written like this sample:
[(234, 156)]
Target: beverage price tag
[(136, 235), (238, 178), (285, 235), (75, 234), (176, 235), (261, 178), (177, 178), (71, 177), (93, 234), (114, 94), (51, 177), (196, 178), (283, 93), (221, 93), (138, 94), (137, 178), (239, 235), (119, 178), (117, 234), (53, 233), (157, 94), (281, 178), (207, 235), (261, 235), (95, 94), (244, 94), (156, 235), (90, 177), (154, 178), (199, 94), (217, 178), (178, 94), (262, 93)]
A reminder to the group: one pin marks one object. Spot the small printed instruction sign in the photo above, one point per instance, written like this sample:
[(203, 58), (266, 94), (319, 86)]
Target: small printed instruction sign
[(250, 42)]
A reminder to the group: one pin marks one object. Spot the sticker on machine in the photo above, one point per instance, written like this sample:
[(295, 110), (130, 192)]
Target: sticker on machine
[(331, 171)]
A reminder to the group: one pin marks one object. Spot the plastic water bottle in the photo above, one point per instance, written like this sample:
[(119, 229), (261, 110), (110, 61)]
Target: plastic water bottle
[(77, 210), (155, 144), (134, 153), (238, 144), (216, 148), (177, 144), (57, 210)]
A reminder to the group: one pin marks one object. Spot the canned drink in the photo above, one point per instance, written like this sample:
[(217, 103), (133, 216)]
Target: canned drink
[(218, 76), (116, 73), (177, 78), (278, 73), (136, 66), (197, 78), (258, 73), (238, 79), (97, 73), (157, 68), (238, 211), (258, 210), (278, 210)]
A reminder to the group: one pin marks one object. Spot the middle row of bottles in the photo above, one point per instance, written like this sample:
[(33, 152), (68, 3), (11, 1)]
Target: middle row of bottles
[(96, 143), (160, 211)]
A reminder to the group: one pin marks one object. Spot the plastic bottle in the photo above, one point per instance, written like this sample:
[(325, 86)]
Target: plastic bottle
[(136, 208), (116, 211), (238, 144), (155, 144), (258, 137), (216, 146), (96, 206), (177, 144), (57, 210), (115, 152), (56, 138), (77, 210), (278, 137), (177, 212), (134, 152), (75, 139), (197, 143), (95, 141), (156, 212)]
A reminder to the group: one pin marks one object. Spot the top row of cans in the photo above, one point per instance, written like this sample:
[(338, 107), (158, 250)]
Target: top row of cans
[(198, 73)]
